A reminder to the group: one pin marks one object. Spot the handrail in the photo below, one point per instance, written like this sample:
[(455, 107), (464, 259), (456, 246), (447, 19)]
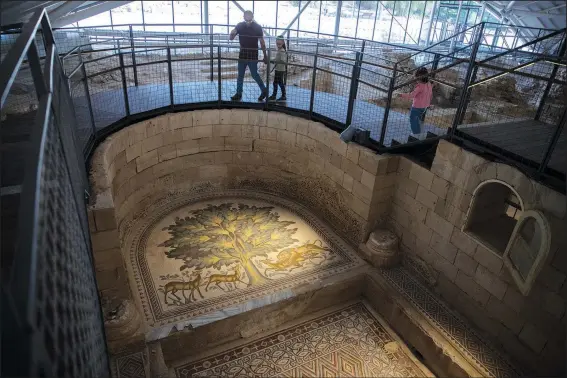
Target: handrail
[(438, 43), (10, 67), (524, 45)]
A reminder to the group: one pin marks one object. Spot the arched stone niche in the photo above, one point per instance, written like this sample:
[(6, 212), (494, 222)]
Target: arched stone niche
[(498, 219), (348, 185), (493, 213)]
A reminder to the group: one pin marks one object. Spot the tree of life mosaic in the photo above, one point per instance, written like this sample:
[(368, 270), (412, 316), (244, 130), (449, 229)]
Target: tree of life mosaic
[(229, 246)]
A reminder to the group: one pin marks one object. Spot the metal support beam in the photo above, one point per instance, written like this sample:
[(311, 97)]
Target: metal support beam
[(286, 30), (238, 6), (338, 20), (64, 9), (13, 11), (457, 26), (431, 22), (88, 12), (205, 14)]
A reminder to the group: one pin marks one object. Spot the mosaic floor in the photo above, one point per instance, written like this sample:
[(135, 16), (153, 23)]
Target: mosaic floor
[(189, 259), (350, 342)]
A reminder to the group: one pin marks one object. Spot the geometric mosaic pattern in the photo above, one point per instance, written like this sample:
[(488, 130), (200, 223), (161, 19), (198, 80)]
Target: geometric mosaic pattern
[(317, 253), (350, 342), (130, 366), (491, 362)]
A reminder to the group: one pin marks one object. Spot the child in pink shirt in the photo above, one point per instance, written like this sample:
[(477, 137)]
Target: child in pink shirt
[(421, 96)]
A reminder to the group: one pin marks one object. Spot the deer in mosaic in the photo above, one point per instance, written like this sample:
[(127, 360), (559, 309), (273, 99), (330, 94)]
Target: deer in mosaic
[(226, 278), (293, 258), (192, 285)]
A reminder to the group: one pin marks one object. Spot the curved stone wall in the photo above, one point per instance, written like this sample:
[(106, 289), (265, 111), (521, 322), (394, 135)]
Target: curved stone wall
[(184, 154), (272, 152)]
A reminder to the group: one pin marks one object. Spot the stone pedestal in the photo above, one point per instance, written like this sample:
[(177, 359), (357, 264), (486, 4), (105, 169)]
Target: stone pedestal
[(122, 324), (381, 249)]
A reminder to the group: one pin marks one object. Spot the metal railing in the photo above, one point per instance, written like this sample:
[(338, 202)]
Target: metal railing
[(52, 322), (79, 97)]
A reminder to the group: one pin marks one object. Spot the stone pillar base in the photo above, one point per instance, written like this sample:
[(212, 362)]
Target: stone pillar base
[(122, 324), (381, 249)]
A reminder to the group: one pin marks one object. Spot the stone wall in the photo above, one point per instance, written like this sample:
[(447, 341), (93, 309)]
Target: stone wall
[(267, 151), (428, 213), (349, 186)]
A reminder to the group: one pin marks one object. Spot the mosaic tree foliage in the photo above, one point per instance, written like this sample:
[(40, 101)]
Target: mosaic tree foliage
[(224, 234)]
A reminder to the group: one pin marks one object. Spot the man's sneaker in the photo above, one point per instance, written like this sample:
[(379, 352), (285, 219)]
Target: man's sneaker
[(263, 96), (236, 97), (272, 98), (282, 98)]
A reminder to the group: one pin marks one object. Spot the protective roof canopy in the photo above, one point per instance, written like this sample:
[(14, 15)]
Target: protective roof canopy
[(537, 13)]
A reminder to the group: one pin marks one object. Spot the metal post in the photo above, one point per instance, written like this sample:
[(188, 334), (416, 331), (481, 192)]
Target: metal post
[(352, 91), (388, 104), (205, 14), (392, 21), (456, 27), (375, 18), (550, 81), (124, 87), (133, 56), (286, 60), (319, 22), (357, 17), (553, 142), (219, 75), (421, 26), (88, 95), (471, 71), (431, 23), (170, 75), (338, 21), (407, 23), (267, 80), (173, 15), (312, 98), (277, 8), (211, 49), (436, 59)]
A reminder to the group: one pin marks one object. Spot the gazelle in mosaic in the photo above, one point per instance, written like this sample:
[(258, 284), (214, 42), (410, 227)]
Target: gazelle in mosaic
[(295, 257), (192, 285), (226, 278)]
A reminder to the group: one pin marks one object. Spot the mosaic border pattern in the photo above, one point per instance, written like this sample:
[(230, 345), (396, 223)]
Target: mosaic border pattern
[(133, 365), (463, 336), (352, 339), (139, 231)]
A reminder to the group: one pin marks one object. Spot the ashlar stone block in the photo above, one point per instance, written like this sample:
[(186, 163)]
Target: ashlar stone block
[(421, 175), (147, 160), (257, 118), (206, 117), (277, 120)]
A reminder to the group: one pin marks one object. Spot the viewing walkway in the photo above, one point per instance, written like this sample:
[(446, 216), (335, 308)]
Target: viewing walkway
[(108, 106)]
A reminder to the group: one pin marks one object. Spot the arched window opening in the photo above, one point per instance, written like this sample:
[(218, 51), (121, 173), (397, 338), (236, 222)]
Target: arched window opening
[(493, 214)]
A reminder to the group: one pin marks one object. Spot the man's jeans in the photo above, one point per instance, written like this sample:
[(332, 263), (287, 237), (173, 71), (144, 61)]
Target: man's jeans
[(253, 66)]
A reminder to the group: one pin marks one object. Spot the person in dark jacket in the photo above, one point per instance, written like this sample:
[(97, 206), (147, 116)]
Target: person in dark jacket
[(249, 33)]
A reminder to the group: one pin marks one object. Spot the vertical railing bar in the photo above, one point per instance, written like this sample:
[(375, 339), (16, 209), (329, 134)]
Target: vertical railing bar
[(170, 76), (219, 77), (88, 96), (471, 72), (133, 56), (211, 49), (312, 97), (266, 101), (549, 84), (388, 104), (553, 142), (124, 86)]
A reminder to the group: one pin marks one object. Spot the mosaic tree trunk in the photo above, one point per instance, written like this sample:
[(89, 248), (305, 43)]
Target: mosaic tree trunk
[(221, 235)]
